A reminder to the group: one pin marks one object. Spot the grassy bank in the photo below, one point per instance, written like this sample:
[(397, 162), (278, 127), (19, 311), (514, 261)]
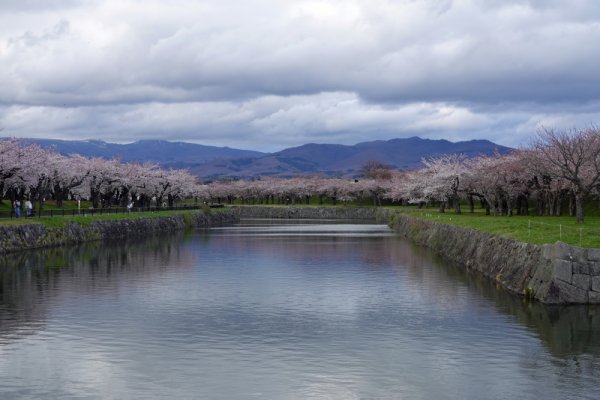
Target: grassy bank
[(529, 229), (59, 221)]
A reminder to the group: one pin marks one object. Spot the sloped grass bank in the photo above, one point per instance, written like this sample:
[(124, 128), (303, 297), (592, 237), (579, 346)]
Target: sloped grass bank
[(528, 229)]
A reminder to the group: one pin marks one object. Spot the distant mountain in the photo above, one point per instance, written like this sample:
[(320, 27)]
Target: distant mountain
[(211, 162), (334, 159), (165, 153)]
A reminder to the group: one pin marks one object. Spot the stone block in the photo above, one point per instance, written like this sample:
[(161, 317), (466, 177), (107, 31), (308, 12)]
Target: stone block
[(569, 294), (594, 268), (579, 254), (547, 251), (581, 268), (563, 251), (594, 254), (542, 271), (596, 283), (562, 270), (593, 297), (581, 281)]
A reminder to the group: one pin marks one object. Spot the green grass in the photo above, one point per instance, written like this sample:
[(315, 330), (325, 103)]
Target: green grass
[(59, 221), (529, 229)]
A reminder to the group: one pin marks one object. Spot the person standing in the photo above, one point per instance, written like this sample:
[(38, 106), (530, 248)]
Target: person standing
[(28, 208), (17, 206)]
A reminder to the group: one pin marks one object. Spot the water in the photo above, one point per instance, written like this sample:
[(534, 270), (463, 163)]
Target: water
[(266, 310)]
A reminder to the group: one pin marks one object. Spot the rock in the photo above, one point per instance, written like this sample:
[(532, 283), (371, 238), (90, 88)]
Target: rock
[(593, 254), (581, 268), (593, 297), (596, 284), (562, 270), (582, 281), (563, 293)]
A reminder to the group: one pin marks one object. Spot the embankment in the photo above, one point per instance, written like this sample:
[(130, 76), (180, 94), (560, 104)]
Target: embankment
[(295, 212), (552, 273), (37, 235)]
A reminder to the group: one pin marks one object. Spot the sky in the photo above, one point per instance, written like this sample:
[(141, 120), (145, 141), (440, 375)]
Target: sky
[(270, 74)]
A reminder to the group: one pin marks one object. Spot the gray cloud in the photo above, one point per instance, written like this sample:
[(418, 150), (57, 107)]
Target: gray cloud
[(237, 72), (38, 5)]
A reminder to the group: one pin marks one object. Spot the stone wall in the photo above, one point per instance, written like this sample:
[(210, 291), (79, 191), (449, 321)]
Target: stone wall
[(295, 212), (36, 235), (552, 273)]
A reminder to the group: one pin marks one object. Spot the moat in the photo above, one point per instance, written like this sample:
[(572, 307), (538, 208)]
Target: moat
[(272, 309)]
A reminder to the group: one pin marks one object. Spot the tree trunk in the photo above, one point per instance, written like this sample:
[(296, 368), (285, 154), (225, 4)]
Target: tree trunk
[(41, 198), (471, 204), (443, 206), (495, 208), (95, 197), (58, 193), (524, 206), (503, 206), (558, 208), (579, 197), (539, 205), (457, 204)]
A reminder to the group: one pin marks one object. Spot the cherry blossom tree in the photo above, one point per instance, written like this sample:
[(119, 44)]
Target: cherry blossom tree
[(69, 173), (11, 153), (573, 156), (374, 169), (103, 175), (443, 175)]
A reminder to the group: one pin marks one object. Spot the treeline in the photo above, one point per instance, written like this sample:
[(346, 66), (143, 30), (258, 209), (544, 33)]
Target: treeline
[(31, 172), (558, 171)]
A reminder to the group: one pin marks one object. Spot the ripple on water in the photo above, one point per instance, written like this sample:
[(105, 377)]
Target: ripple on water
[(301, 311)]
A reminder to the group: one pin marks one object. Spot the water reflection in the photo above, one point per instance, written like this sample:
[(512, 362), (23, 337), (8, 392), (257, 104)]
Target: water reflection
[(564, 330), (32, 281), (303, 310)]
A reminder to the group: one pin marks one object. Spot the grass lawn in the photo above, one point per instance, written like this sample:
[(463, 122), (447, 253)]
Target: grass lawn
[(59, 221), (530, 229)]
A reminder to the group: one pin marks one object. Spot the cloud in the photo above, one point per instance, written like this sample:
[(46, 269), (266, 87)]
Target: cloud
[(270, 123), (37, 5), (332, 69)]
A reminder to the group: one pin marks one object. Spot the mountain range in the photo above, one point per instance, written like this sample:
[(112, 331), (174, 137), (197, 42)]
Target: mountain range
[(210, 162), (163, 152)]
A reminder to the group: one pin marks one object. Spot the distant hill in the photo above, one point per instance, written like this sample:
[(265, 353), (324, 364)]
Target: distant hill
[(334, 159), (211, 162), (165, 153)]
